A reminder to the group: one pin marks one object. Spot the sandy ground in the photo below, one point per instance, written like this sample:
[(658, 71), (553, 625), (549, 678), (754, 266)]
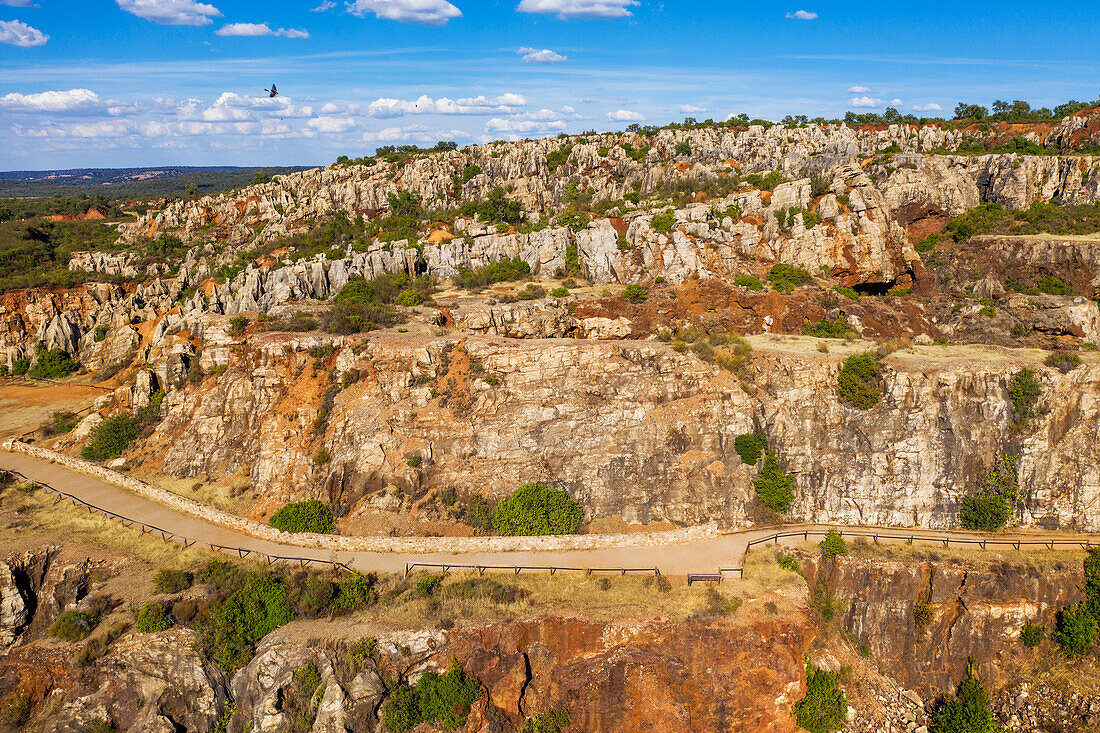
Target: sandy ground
[(25, 406)]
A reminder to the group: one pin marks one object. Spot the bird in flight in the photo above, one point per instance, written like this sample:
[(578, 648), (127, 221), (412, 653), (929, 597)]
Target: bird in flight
[(272, 91)]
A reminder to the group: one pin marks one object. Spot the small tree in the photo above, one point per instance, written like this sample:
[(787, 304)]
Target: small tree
[(833, 545), (968, 711), (824, 709), (1024, 393), (774, 488), (1076, 631), (635, 293)]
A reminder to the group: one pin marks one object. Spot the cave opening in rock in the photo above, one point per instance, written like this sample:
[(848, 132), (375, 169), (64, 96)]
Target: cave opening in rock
[(873, 288)]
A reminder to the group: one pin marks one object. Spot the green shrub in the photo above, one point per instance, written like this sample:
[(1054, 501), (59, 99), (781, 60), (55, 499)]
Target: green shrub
[(101, 333), (259, 606), (1053, 286), (786, 278), (237, 325), (558, 157), (356, 591), (559, 292), (833, 545), (990, 507), (849, 293), (362, 650), (446, 699), (401, 712), (1076, 630), (547, 721), (752, 282), (16, 710), (470, 171), (664, 222), (774, 489), (304, 516), (153, 617), (749, 446), (683, 148), (52, 364), (788, 562), (968, 711), (322, 457), (409, 298), (824, 709), (110, 438), (834, 328), (496, 272), (1063, 361), (1031, 635), (535, 509), (635, 293), (172, 581), (73, 626), (427, 585), (414, 461), (857, 381), (1024, 393)]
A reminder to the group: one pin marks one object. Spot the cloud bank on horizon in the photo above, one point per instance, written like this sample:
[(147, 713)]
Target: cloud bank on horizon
[(183, 80)]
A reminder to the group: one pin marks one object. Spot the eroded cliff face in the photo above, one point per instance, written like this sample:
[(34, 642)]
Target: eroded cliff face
[(632, 429)]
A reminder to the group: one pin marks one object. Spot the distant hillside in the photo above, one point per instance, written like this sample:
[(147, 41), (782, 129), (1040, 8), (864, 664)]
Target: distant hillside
[(129, 183)]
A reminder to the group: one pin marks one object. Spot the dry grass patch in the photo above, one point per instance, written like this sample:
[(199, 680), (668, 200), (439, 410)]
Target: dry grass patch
[(1026, 559)]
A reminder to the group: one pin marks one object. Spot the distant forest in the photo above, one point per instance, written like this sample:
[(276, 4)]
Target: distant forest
[(126, 184)]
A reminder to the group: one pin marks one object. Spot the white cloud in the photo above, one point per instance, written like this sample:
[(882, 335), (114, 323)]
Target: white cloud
[(18, 3), (896, 102), (498, 124), (20, 34), (55, 101), (857, 90), (479, 105), (690, 109), (566, 9), (259, 29), (930, 107), (802, 15), (424, 12), (171, 12), (323, 7), (540, 56), (232, 107), (331, 124), (625, 115), (869, 102)]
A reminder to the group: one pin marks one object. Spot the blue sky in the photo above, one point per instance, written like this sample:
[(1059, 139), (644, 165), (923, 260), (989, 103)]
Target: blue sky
[(154, 82)]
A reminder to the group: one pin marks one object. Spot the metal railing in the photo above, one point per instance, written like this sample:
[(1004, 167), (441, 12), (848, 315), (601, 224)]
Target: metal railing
[(517, 569), (169, 536), (877, 534), (43, 426)]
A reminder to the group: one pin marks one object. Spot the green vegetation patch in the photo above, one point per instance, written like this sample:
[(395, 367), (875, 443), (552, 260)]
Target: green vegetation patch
[(1024, 393), (1052, 218), (534, 509), (443, 700), (785, 278), (824, 709), (750, 446), (774, 488), (304, 516), (110, 438), (967, 711), (833, 328), (52, 364), (635, 293), (990, 508), (858, 381), (495, 272)]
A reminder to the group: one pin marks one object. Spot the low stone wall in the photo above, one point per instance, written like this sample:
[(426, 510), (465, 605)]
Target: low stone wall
[(409, 545)]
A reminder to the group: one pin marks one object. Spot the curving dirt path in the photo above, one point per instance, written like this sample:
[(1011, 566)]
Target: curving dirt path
[(677, 559)]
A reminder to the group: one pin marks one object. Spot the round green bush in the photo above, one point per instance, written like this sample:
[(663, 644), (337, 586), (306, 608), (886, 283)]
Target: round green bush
[(153, 617), (72, 626), (774, 488), (110, 438), (304, 516), (824, 709), (857, 383), (535, 509), (635, 293)]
